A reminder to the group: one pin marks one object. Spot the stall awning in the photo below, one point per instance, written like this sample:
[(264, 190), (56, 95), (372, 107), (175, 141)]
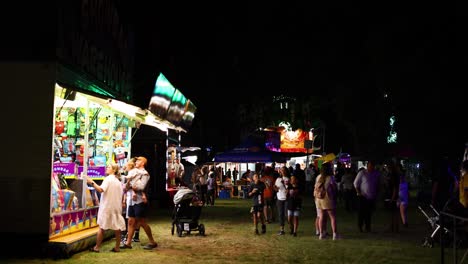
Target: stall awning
[(169, 104), (132, 112), (250, 157), (250, 151)]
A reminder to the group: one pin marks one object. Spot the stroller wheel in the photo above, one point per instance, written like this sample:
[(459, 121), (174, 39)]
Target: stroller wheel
[(179, 229), (201, 229), (428, 242)]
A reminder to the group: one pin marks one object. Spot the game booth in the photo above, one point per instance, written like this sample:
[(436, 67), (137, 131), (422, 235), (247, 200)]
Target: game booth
[(73, 111), (89, 133)]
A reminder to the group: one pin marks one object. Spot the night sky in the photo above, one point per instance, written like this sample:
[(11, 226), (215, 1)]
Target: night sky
[(237, 52)]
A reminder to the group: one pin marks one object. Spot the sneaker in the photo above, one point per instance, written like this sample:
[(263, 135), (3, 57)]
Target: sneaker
[(317, 233), (281, 233), (150, 246), (263, 229), (135, 239), (295, 234), (322, 236), (336, 237)]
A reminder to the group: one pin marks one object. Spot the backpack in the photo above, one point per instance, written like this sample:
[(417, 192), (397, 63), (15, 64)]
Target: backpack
[(319, 190)]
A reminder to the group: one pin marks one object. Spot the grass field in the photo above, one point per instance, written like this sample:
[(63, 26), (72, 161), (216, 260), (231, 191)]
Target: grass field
[(230, 239)]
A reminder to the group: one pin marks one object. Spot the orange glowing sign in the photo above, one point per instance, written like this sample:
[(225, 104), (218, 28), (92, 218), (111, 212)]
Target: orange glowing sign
[(293, 141)]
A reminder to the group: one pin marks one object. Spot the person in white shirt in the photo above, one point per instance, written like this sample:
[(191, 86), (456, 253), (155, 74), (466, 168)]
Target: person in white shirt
[(366, 184), (281, 184), (110, 207)]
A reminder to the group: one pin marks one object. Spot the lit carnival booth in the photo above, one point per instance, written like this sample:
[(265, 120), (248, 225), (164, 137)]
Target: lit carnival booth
[(89, 133), (275, 144)]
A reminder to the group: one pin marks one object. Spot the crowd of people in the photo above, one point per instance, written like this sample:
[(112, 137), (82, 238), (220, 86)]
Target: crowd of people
[(277, 195)]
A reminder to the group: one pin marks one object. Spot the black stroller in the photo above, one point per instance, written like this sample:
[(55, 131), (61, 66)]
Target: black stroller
[(451, 227), (187, 210), (434, 223)]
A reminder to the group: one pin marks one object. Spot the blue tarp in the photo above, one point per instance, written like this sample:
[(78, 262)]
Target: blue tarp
[(250, 151), (249, 157)]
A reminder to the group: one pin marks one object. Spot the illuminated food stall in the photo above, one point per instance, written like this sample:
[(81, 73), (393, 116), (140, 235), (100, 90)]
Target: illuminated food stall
[(72, 112)]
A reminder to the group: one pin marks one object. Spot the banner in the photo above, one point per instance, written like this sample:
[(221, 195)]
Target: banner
[(67, 169), (94, 172), (293, 141)]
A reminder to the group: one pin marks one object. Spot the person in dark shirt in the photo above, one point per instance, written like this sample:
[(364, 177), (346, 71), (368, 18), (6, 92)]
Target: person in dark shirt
[(246, 176), (300, 176), (445, 184), (294, 203), (256, 190)]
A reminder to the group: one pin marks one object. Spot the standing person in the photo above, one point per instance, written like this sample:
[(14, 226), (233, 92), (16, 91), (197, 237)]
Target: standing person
[(235, 172), (246, 176), (366, 185), (110, 207), (281, 195), (256, 192), (391, 189), (138, 209), (310, 175), (327, 204), (300, 176), (294, 204), (195, 179), (339, 172), (403, 197), (129, 171), (130, 179), (202, 183), (444, 184), (349, 193), (179, 169), (268, 194), (211, 187)]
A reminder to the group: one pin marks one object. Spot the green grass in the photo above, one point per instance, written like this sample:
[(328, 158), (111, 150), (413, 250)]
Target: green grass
[(230, 239)]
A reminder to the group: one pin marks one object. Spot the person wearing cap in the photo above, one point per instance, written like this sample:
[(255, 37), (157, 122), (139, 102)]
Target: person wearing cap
[(138, 208)]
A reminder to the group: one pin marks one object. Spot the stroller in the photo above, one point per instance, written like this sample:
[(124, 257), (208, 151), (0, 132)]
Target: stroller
[(187, 210), (450, 228), (434, 223)]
